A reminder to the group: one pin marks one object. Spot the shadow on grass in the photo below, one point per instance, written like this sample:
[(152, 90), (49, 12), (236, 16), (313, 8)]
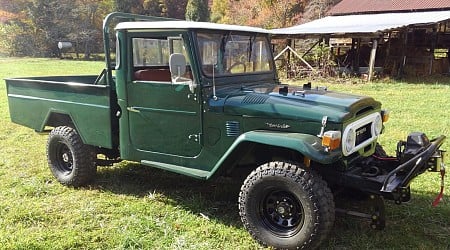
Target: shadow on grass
[(216, 199), (433, 79)]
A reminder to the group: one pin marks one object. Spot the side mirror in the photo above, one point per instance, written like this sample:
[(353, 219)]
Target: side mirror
[(177, 65)]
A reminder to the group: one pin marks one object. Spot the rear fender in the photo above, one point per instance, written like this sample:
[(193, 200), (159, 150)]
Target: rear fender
[(55, 118), (88, 134)]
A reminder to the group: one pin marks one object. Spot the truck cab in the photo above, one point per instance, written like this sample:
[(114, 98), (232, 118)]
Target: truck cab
[(173, 85)]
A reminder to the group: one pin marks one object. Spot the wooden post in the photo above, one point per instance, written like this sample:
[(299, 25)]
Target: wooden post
[(373, 54), (403, 57), (358, 54), (353, 53), (288, 65), (388, 49), (432, 49)]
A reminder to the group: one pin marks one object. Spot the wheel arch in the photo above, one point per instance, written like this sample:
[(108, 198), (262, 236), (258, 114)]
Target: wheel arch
[(90, 135), (264, 146), (56, 118)]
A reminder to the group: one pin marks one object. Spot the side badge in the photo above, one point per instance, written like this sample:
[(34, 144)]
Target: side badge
[(274, 125)]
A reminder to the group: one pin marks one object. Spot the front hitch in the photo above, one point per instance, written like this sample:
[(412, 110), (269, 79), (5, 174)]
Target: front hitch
[(417, 156)]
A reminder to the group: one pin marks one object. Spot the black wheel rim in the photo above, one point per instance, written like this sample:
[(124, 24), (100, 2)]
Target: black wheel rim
[(64, 159), (282, 212)]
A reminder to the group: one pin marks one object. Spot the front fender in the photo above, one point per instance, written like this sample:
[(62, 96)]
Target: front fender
[(308, 145)]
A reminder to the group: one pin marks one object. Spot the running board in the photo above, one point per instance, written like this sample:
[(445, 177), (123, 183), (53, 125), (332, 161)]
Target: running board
[(192, 172)]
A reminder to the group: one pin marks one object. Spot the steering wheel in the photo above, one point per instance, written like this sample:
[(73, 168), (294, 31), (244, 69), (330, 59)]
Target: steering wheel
[(237, 64)]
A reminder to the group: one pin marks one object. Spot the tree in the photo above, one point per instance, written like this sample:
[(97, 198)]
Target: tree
[(197, 10), (154, 8), (316, 9), (176, 8), (265, 13), (16, 40), (50, 22), (219, 11), (14, 6), (283, 13), (38, 25), (86, 35), (125, 5)]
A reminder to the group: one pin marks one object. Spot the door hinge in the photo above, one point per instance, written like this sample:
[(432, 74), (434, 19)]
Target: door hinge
[(192, 96)]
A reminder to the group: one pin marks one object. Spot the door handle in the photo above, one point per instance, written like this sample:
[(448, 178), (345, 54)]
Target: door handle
[(132, 109)]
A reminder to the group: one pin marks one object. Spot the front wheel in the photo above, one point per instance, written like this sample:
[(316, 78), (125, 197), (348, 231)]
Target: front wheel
[(70, 160), (284, 206)]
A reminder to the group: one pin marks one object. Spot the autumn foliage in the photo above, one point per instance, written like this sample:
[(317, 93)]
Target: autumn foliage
[(34, 27)]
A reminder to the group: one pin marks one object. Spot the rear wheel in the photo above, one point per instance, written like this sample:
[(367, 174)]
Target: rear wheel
[(70, 160), (284, 206)]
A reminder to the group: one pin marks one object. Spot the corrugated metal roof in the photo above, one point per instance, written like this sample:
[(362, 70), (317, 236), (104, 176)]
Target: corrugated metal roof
[(365, 6), (365, 23)]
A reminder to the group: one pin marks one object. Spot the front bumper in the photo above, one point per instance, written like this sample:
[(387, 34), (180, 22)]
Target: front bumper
[(387, 176), (397, 181)]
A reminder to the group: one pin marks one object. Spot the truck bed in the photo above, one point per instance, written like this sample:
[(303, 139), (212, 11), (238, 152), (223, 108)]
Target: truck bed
[(42, 102)]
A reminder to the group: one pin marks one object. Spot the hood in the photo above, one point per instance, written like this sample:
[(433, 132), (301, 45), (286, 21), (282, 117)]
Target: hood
[(287, 102)]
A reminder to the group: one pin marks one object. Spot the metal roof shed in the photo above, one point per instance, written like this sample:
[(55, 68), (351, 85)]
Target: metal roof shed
[(373, 26), (347, 7), (367, 25)]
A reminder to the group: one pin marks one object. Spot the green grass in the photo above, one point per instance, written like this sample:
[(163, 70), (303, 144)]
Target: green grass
[(136, 207)]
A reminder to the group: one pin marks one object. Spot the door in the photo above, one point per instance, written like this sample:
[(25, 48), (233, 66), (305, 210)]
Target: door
[(164, 116)]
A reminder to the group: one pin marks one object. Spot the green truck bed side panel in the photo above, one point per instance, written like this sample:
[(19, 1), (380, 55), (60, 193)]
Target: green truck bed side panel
[(32, 100)]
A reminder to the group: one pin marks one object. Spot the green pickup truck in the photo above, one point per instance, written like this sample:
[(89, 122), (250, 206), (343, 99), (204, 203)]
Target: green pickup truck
[(204, 100)]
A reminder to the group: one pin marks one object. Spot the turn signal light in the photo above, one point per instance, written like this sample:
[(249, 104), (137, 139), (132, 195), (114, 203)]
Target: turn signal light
[(331, 140), (385, 115)]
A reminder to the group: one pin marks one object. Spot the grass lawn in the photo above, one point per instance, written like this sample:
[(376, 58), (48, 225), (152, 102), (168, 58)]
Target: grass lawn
[(136, 207)]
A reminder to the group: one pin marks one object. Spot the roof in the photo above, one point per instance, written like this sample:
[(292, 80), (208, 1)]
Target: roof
[(372, 6), (187, 25), (363, 24)]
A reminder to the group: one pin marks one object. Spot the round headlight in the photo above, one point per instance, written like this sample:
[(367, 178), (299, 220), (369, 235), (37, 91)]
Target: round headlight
[(377, 126), (349, 141)]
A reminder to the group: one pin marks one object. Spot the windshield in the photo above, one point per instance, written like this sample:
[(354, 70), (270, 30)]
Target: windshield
[(225, 54)]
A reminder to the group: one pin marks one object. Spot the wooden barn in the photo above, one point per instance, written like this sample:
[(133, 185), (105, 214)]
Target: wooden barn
[(390, 37)]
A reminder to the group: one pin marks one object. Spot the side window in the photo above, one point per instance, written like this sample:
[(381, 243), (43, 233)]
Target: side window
[(151, 58), (150, 52)]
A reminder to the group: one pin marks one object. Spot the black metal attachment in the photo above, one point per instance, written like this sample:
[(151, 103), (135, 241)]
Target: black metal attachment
[(417, 164), (376, 215)]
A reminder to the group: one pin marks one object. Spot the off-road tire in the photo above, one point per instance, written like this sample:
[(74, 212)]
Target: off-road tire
[(70, 160), (286, 207)]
